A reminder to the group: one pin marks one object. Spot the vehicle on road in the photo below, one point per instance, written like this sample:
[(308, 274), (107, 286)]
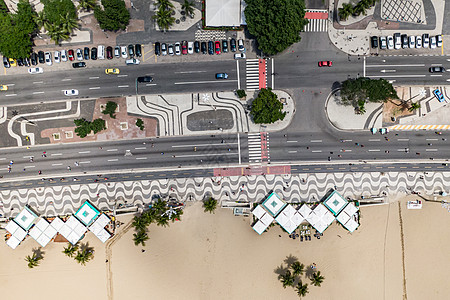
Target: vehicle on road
[(433, 42), (71, 55), (241, 45), (437, 69), (177, 48), (63, 55), (325, 63), (374, 42), (132, 61), (233, 45), (157, 48), (123, 51), (6, 62), (239, 56), (184, 47), (109, 52), (437, 93), (36, 70), (439, 41), (170, 50), (138, 50), (41, 57), (79, 54), (3, 87), (418, 41), (204, 48), (164, 49), (131, 51), (374, 130), (145, 79), (404, 41), (390, 43), (384, 130), (71, 92), (113, 71), (57, 57), (48, 58), (197, 47), (211, 48), (34, 58), (190, 48), (412, 41), (80, 64), (117, 51), (94, 53), (225, 46), (397, 41), (426, 40), (217, 47), (221, 75), (86, 53)]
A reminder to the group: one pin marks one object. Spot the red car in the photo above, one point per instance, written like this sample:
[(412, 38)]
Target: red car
[(325, 63), (184, 46), (70, 54), (217, 44)]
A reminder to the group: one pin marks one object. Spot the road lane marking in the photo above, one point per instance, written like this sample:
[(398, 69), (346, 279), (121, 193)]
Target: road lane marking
[(189, 72), (140, 148), (374, 150), (28, 167), (66, 79), (56, 164), (35, 93), (95, 77), (374, 140), (432, 139), (38, 82), (205, 155), (10, 95), (114, 159), (85, 162), (386, 75), (150, 84), (239, 147), (377, 66), (431, 150), (216, 81), (402, 140), (436, 75), (122, 75), (316, 141), (415, 167), (291, 141), (293, 151), (55, 154), (201, 145), (364, 66), (238, 77), (82, 152), (316, 151), (112, 150), (123, 86), (94, 88), (141, 157), (342, 168)]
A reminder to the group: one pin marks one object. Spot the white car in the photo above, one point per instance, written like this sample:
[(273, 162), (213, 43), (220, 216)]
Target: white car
[(191, 48), (57, 57), (390, 42), (412, 41), (36, 70), (63, 55), (48, 58), (123, 51), (79, 54), (71, 92), (170, 50), (241, 45), (439, 40), (132, 61), (433, 42), (164, 49), (426, 40), (177, 49), (239, 56), (418, 41)]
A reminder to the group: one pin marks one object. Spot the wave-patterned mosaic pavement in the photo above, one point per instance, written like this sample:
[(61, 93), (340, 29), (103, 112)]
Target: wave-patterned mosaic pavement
[(59, 200)]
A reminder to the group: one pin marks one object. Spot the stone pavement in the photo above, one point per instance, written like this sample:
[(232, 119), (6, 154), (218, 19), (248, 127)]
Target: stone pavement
[(60, 200)]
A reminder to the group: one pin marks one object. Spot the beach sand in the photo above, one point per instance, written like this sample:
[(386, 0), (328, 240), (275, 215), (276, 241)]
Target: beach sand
[(219, 256)]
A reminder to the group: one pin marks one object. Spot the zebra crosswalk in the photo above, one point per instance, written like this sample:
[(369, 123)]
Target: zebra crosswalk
[(316, 25), (252, 74), (258, 147)]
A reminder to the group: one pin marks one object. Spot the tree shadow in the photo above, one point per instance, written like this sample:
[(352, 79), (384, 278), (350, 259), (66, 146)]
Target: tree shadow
[(280, 270), (86, 247), (309, 271), (38, 252), (289, 260)]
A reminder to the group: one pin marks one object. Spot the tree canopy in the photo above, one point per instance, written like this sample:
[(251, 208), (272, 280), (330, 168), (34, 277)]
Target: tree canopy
[(276, 24), (114, 16), (266, 108)]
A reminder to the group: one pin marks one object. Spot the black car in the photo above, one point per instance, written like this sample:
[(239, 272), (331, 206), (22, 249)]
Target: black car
[(34, 59), (145, 79), (109, 52), (374, 42), (20, 62), (404, 41), (41, 57), (233, 45), (196, 46), (94, 53), (203, 48), (138, 50), (157, 48), (86, 53), (80, 64), (211, 48), (6, 62), (131, 51), (225, 46), (437, 70)]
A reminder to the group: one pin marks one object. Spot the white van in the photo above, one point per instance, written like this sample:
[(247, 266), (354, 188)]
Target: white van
[(101, 52)]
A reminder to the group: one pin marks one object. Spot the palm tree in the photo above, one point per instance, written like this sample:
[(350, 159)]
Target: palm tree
[(162, 220), (164, 4), (33, 261), (345, 11), (164, 19), (359, 9), (69, 23), (70, 250), (287, 279), (56, 33), (297, 268), (159, 206), (188, 8), (140, 237), (302, 289), (176, 215), (140, 222), (210, 205), (317, 279), (86, 5), (84, 256), (414, 106), (41, 19)]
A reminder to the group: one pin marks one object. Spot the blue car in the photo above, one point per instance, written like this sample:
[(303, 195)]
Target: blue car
[(221, 76), (437, 93)]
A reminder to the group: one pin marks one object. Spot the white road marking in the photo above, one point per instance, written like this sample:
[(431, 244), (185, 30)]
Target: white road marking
[(115, 159), (432, 139), (436, 75), (28, 167), (3, 158), (316, 151), (364, 66), (347, 150), (28, 157), (141, 157), (386, 75), (239, 147), (35, 93), (374, 140), (123, 86), (140, 148), (9, 95), (377, 66), (238, 80), (38, 82), (374, 150), (150, 84), (189, 72), (55, 154), (292, 151), (200, 145), (56, 164), (291, 141), (96, 77), (402, 140), (111, 150), (66, 79), (431, 150), (94, 88), (85, 162), (212, 154), (123, 75), (82, 152), (316, 141), (215, 81)]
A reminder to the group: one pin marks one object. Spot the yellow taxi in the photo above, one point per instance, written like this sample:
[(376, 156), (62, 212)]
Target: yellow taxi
[(3, 87), (114, 71), (13, 62)]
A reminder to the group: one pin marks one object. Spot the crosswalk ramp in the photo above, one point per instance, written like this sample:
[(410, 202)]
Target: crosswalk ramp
[(252, 74), (318, 20), (258, 147)]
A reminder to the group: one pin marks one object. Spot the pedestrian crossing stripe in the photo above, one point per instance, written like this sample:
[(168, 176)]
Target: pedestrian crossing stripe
[(252, 74), (415, 127), (316, 25)]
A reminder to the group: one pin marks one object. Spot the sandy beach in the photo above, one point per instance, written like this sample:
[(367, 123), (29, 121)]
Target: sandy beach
[(219, 256)]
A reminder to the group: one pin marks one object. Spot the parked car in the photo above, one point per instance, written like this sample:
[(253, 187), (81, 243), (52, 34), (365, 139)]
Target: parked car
[(132, 61), (211, 48), (36, 70), (3, 87), (184, 47), (48, 58), (71, 55), (131, 51), (57, 57), (94, 53), (80, 64), (374, 42), (433, 42), (41, 57), (101, 52), (170, 50), (241, 45), (164, 49), (233, 45), (383, 42), (109, 52), (138, 50), (13, 62), (86, 53), (418, 41), (197, 47), (390, 43), (412, 41), (217, 47), (79, 54), (191, 48), (177, 48), (123, 51), (437, 70), (325, 63), (145, 79), (71, 92), (437, 93), (117, 51), (426, 40), (203, 47), (221, 76), (19, 62), (33, 58), (63, 55), (113, 71), (404, 41), (439, 41), (397, 41), (224, 46), (239, 56), (26, 61), (6, 62), (157, 48)]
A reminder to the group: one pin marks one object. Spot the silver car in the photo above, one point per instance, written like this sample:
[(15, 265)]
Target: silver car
[(63, 55), (418, 41), (383, 42), (164, 49), (170, 49), (177, 49), (439, 40), (433, 42), (79, 54), (48, 58), (57, 57), (390, 42)]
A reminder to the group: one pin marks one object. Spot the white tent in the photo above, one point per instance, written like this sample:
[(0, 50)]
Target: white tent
[(98, 228), (73, 230), (328, 218), (312, 218), (13, 242), (17, 234), (297, 219), (320, 210), (343, 218), (25, 218), (259, 211), (290, 226), (259, 227), (103, 235), (320, 226), (351, 225), (220, 13), (304, 210), (267, 219), (57, 223), (350, 209), (282, 219)]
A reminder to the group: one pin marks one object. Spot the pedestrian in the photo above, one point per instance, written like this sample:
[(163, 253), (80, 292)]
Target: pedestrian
[(40, 172), (162, 153), (77, 164), (11, 162), (142, 250), (69, 168)]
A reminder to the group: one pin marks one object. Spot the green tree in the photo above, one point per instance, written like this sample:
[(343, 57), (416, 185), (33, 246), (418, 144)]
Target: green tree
[(297, 268), (86, 5), (164, 19), (414, 106), (188, 8), (301, 289), (114, 16), (110, 109), (287, 279), (176, 215), (317, 279), (164, 4), (83, 127), (241, 93), (24, 18), (69, 23), (162, 220), (140, 237), (56, 33), (59, 18), (210, 205), (140, 223), (275, 24), (33, 261), (40, 19), (70, 250), (84, 256), (98, 125), (140, 124), (266, 108), (345, 11)]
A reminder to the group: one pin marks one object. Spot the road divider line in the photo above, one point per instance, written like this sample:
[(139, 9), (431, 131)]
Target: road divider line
[(201, 145), (38, 82), (374, 140), (316, 141), (141, 157), (35, 93), (383, 66), (212, 154), (402, 140), (122, 75), (94, 88), (66, 79), (431, 150), (140, 148), (150, 84), (200, 82), (316, 151), (114, 159), (189, 72), (239, 147), (56, 154), (85, 162), (111, 150), (432, 139), (291, 141), (292, 151), (28, 167), (83, 152), (123, 86), (95, 77), (374, 150), (10, 95), (56, 164)]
